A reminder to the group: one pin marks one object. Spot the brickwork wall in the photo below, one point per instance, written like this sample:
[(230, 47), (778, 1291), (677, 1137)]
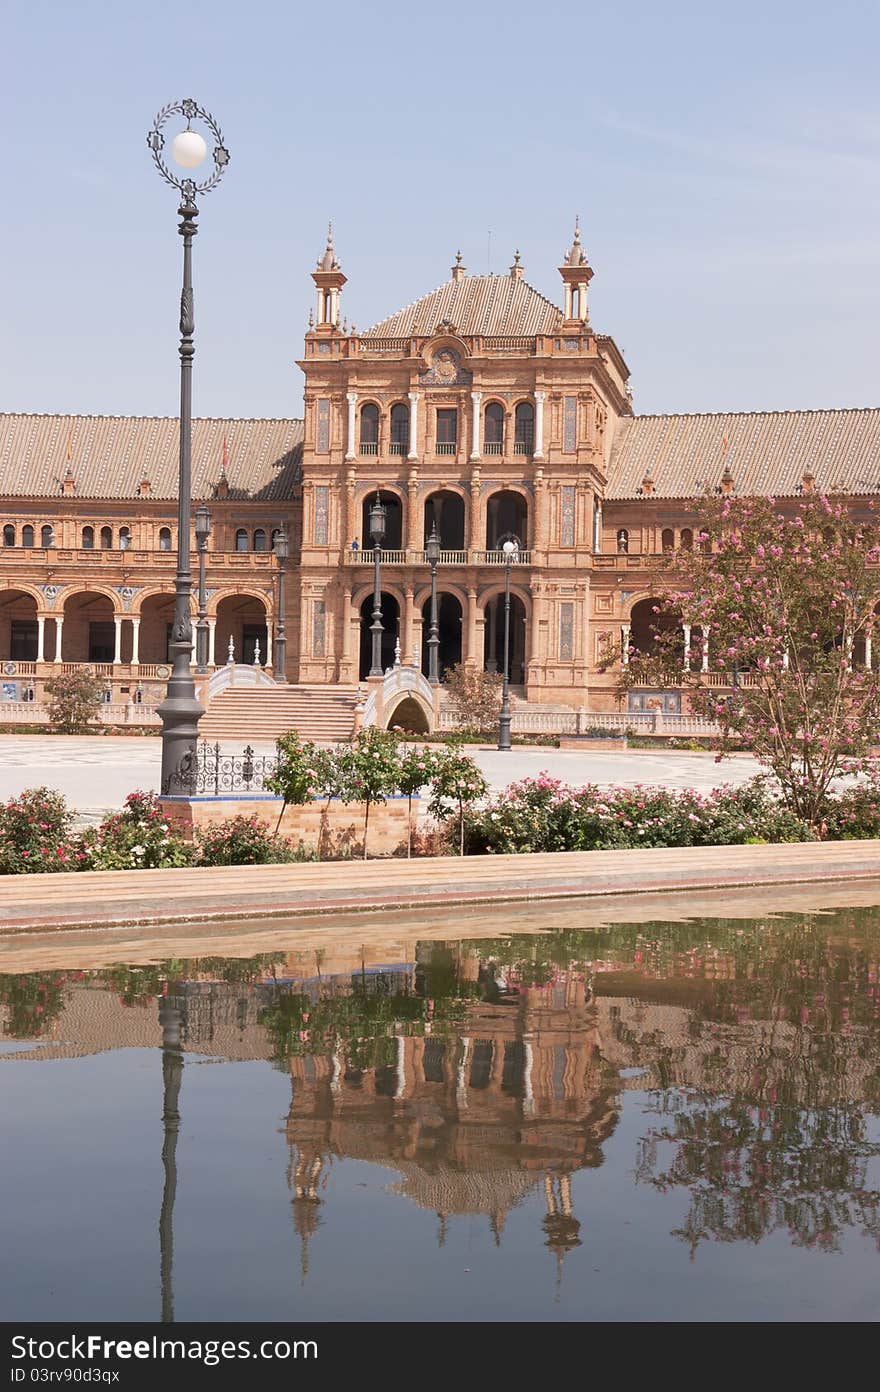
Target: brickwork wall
[(341, 829)]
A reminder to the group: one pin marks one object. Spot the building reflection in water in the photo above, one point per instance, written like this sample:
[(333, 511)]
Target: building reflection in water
[(486, 1072)]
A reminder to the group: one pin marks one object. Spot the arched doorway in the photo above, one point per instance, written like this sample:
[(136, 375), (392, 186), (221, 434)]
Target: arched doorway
[(646, 626), (446, 509), (18, 626), (89, 633), (157, 617), (243, 619), (449, 625), (494, 638), (507, 514), (393, 521), (390, 630), (410, 717)]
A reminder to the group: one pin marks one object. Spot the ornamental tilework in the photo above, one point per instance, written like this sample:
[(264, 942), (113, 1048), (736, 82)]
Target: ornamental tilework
[(322, 442), (569, 424), (566, 528), (322, 504), (566, 632), (319, 628)]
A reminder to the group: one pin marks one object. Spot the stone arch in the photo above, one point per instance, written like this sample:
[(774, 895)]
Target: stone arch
[(447, 506), (450, 625), (506, 512), (70, 590), (391, 622), (25, 588), (242, 591), (395, 516), (19, 608), (412, 714), (645, 625), (239, 618), (150, 592), (89, 631)]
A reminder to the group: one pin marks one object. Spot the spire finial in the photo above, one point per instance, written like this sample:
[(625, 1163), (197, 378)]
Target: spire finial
[(328, 261), (458, 269), (516, 270)]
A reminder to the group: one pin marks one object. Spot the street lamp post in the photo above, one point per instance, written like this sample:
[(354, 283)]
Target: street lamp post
[(511, 550), (180, 711), (282, 551), (203, 531), (377, 533), (432, 553)]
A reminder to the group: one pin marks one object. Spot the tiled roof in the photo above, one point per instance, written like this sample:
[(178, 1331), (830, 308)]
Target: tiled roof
[(767, 452), (485, 304), (110, 455)]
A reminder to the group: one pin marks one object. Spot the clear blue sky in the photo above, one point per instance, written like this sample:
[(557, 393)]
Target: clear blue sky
[(724, 161)]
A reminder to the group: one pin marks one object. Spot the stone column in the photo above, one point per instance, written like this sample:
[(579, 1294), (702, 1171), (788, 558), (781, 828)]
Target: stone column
[(350, 527), (471, 656), (41, 636), (492, 608), (135, 641), (351, 398), (869, 633), (705, 647), (212, 633), (539, 426), (59, 624), (413, 425), (686, 628), (408, 616), (345, 655), (624, 643), (540, 533), (473, 519), (476, 398), (117, 646), (412, 539)]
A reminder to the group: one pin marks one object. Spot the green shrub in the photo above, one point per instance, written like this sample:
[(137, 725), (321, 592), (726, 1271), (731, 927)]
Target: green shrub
[(35, 834), (246, 841), (140, 837), (74, 700)]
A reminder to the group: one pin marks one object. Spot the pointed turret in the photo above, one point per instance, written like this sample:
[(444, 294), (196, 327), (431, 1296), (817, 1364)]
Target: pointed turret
[(458, 270), (576, 274), (516, 270), (329, 279)]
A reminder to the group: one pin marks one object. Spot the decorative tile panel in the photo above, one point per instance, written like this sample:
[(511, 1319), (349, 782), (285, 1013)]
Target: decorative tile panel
[(322, 505), (569, 424), (566, 632), (566, 529), (319, 628), (322, 443)]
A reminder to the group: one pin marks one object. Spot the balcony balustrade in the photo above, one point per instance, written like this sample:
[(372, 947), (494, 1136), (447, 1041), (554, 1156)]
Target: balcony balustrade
[(445, 447), (364, 557)]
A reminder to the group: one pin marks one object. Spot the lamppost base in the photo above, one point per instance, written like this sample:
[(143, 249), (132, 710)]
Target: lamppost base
[(180, 714), (504, 730)]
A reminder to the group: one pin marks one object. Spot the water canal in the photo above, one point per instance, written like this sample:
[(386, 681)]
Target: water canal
[(654, 1121)]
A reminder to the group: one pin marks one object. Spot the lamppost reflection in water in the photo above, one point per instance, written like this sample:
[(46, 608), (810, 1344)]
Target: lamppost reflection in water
[(171, 1023)]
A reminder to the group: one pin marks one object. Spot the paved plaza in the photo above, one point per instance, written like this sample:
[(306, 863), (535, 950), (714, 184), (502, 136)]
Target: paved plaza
[(96, 772)]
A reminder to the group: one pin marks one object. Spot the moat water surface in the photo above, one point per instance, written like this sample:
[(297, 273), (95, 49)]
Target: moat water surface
[(668, 1121)]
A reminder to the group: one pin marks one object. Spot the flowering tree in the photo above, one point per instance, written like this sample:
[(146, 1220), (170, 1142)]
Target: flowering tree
[(415, 772), (786, 596), (374, 766), (295, 776), (455, 780)]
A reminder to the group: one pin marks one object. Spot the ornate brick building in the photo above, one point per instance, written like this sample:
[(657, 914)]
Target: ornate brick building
[(481, 408)]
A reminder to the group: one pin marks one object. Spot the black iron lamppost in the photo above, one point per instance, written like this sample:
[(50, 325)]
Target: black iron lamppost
[(282, 551), (511, 552), (432, 555), (180, 711), (377, 533), (203, 531)]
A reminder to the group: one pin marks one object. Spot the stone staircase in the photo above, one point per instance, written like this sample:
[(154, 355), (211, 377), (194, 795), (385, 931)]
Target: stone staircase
[(264, 713)]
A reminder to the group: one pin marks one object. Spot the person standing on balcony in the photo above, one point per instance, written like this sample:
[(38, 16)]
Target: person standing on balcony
[(354, 545)]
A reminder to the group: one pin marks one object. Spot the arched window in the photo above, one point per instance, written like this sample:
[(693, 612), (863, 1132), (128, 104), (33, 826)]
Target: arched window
[(399, 428), (241, 540), (524, 428), (622, 541), (705, 543), (259, 540), (47, 535), (106, 538), (27, 536), (686, 540), (164, 538), (87, 540), (493, 433), (124, 538), (9, 535), (370, 428), (668, 539)]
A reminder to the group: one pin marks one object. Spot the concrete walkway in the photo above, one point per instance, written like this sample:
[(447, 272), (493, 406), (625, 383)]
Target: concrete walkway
[(130, 897)]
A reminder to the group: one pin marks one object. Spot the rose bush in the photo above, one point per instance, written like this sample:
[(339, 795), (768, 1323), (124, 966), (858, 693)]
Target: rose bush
[(35, 834), (140, 837)]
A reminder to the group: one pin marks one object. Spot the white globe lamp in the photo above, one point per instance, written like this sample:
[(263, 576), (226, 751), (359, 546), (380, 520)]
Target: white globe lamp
[(188, 149)]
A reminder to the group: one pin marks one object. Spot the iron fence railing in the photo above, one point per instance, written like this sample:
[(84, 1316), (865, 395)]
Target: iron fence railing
[(216, 772)]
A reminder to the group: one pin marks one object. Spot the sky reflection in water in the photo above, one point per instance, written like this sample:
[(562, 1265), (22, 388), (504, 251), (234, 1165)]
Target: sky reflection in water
[(660, 1121)]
